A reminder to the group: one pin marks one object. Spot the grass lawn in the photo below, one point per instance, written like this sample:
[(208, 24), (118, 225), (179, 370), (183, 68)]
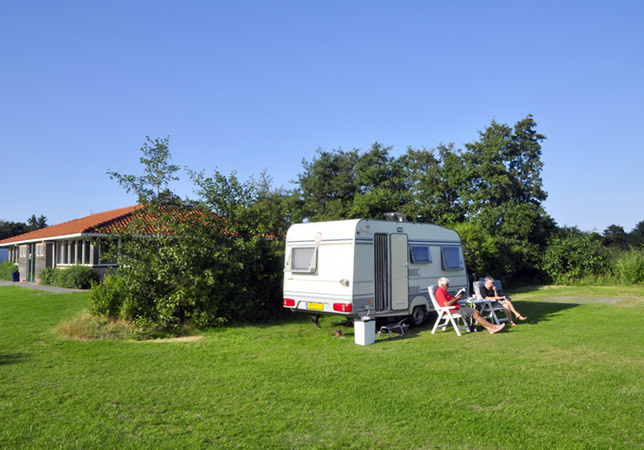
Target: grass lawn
[(572, 376)]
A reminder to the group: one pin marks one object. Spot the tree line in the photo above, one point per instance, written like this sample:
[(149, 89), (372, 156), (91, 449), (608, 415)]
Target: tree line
[(9, 228), (218, 257)]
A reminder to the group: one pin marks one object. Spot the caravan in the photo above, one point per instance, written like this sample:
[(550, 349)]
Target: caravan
[(369, 268)]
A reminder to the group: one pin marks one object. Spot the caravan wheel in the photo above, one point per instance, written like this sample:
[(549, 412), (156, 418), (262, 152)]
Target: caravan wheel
[(418, 316)]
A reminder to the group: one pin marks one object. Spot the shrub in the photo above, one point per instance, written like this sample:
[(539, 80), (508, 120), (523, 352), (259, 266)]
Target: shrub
[(628, 266), (573, 256), (76, 277), (48, 276), (106, 298), (481, 251), (6, 269)]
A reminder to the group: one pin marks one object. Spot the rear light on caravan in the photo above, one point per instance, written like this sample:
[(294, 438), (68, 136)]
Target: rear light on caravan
[(289, 302), (342, 307)]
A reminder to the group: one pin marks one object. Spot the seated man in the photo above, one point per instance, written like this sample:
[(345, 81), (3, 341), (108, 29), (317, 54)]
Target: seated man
[(444, 299), (488, 290)]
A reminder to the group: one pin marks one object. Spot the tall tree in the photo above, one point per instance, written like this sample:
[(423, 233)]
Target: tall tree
[(210, 260), (434, 180), (10, 229), (343, 185), (152, 186), (327, 186), (636, 236), (36, 223), (504, 170), (380, 183), (615, 236), (503, 190)]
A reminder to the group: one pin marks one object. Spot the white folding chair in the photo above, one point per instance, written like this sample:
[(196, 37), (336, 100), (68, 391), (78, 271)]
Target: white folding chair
[(445, 316), (489, 309)]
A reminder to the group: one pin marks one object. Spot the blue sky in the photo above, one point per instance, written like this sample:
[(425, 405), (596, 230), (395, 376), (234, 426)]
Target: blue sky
[(250, 85)]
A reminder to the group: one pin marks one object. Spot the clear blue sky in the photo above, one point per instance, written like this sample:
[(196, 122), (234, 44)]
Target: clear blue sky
[(254, 85)]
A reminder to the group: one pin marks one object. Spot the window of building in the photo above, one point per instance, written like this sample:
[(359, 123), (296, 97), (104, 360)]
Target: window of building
[(86, 252), (107, 252)]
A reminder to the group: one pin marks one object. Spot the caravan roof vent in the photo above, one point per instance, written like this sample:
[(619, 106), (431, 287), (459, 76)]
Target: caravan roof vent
[(395, 217)]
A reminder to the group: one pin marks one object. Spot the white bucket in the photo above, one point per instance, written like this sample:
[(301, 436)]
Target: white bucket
[(365, 331)]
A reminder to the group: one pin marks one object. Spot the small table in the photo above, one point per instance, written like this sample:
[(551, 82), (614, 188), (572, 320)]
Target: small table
[(485, 307)]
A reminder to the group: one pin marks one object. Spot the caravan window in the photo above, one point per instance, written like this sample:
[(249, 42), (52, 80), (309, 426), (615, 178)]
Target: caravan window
[(451, 257), (304, 259), (420, 254)]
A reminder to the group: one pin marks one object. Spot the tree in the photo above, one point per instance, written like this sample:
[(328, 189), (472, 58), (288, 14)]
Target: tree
[(246, 258), (203, 262), (434, 179), (158, 173), (380, 183), (636, 236), (327, 186), (572, 255), (343, 185), (503, 191), (36, 223), (10, 229), (615, 236)]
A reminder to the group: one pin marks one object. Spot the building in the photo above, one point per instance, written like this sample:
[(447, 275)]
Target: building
[(83, 241)]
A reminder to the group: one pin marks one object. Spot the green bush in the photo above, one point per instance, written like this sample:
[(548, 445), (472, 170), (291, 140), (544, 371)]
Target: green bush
[(48, 276), (572, 257), (481, 250), (75, 277), (106, 298), (628, 266), (6, 269), (194, 276)]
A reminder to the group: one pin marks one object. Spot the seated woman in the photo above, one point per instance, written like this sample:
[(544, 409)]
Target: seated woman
[(444, 299), (488, 290)]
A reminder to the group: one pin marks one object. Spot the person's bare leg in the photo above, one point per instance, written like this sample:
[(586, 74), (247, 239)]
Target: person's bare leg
[(508, 306), (508, 313), (487, 325)]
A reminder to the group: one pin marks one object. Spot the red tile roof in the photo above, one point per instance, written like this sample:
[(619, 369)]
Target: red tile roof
[(107, 222)]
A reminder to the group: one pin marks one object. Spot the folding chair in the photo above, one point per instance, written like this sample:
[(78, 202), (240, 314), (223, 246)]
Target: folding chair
[(397, 327), (489, 309), (445, 316)]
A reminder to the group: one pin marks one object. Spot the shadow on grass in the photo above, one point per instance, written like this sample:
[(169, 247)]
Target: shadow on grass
[(6, 359), (541, 311), (535, 311)]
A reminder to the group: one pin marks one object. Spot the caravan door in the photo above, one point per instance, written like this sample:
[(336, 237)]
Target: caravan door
[(391, 275), (399, 271)]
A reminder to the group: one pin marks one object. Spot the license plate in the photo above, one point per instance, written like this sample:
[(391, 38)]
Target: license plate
[(319, 306)]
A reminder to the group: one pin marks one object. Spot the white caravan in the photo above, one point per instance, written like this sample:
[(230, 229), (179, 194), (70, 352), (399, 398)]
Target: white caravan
[(367, 267)]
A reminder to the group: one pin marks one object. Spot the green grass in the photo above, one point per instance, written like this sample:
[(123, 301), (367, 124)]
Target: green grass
[(571, 377)]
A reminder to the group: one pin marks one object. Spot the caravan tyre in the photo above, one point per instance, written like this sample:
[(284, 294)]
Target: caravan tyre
[(417, 317)]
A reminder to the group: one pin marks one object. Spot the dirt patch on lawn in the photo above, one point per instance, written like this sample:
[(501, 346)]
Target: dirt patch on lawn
[(176, 339), (614, 301)]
